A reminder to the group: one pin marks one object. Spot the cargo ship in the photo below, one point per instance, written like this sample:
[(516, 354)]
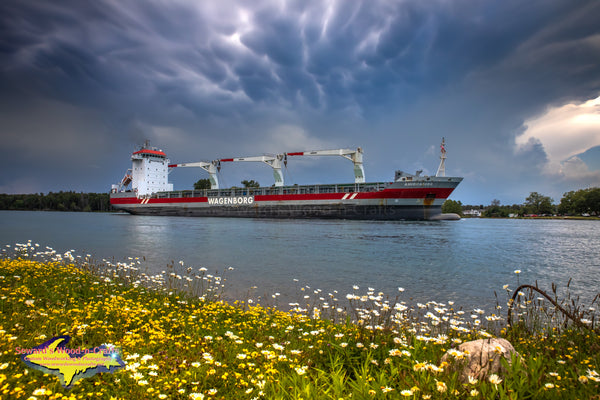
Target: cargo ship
[(145, 190)]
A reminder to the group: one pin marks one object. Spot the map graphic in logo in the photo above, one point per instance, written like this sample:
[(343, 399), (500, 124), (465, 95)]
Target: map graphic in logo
[(71, 365)]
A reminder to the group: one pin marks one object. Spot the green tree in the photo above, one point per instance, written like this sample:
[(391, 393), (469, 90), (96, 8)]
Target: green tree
[(567, 203), (495, 210), (539, 204), (202, 184), (564, 207), (580, 201), (451, 206), (593, 200), (250, 183)]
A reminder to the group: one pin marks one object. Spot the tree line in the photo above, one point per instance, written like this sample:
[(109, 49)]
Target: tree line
[(61, 201), (205, 184), (577, 202)]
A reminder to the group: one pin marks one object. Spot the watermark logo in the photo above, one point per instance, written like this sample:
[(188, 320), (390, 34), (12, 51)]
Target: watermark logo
[(71, 365)]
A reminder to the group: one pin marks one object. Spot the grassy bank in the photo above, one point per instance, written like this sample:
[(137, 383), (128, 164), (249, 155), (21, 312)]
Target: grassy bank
[(180, 341)]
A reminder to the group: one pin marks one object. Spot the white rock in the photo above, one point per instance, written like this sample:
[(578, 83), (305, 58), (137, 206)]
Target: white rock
[(481, 358)]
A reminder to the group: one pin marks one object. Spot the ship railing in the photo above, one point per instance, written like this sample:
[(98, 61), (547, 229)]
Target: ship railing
[(265, 191)]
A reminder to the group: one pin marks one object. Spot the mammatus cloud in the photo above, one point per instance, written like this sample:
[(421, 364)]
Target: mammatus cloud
[(563, 133)]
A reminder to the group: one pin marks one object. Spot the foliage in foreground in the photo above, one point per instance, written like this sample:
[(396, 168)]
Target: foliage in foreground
[(182, 346)]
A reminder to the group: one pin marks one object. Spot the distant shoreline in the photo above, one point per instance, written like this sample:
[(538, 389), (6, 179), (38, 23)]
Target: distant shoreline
[(573, 217)]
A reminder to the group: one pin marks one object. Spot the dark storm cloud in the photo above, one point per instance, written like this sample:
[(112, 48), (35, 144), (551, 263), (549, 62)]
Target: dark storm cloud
[(336, 70), (279, 39), (348, 52)]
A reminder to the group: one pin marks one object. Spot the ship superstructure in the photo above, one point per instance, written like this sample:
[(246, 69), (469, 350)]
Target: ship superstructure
[(145, 190), (149, 173)]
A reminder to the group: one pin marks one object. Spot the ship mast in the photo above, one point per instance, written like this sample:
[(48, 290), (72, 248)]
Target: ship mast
[(442, 168)]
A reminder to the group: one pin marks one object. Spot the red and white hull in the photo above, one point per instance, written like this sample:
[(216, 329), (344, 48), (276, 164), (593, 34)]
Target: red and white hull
[(418, 199)]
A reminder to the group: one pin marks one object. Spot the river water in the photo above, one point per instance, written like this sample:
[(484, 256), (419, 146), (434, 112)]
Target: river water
[(464, 261)]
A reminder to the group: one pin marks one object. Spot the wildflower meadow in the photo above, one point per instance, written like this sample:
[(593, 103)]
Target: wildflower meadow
[(180, 339)]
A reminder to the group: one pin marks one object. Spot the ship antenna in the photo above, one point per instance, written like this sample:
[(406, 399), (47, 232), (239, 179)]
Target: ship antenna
[(442, 168)]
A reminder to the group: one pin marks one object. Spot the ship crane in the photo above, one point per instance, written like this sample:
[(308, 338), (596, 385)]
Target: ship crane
[(272, 161), (215, 166), (356, 156), (276, 161), (211, 167)]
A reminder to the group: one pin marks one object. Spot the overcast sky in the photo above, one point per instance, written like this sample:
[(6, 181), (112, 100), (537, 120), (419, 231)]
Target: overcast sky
[(512, 85)]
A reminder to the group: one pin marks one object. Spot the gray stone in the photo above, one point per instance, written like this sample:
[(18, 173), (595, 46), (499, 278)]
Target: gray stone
[(480, 358)]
